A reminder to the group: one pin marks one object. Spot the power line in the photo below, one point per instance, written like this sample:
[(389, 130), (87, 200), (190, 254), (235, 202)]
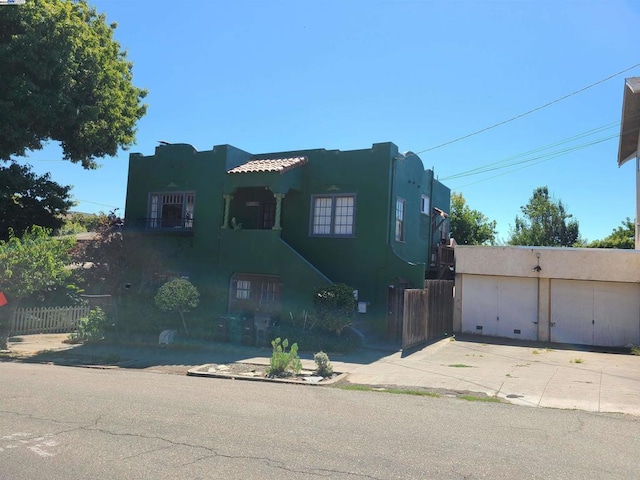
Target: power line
[(510, 161), (541, 159), (530, 111)]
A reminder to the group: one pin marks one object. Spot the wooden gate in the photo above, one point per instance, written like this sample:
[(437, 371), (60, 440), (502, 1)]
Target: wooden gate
[(395, 308), (428, 313)]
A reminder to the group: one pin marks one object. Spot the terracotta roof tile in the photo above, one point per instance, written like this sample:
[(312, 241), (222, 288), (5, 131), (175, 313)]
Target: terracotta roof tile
[(280, 165)]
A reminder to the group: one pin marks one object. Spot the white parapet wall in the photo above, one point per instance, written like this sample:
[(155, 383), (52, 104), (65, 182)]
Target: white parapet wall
[(601, 264), (551, 288)]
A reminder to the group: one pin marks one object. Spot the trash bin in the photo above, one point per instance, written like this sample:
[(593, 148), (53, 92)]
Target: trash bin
[(248, 332), (263, 324), (221, 333), (235, 327)]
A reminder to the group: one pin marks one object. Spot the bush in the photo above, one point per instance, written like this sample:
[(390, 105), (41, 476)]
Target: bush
[(323, 366), (282, 363), (334, 307), (92, 327), (178, 295)]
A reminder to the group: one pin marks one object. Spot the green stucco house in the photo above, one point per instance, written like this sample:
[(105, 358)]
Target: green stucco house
[(264, 231)]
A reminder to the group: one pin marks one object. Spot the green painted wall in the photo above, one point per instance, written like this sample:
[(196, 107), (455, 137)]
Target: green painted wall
[(369, 260)]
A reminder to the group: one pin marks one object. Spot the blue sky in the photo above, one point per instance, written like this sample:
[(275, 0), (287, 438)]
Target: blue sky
[(269, 76)]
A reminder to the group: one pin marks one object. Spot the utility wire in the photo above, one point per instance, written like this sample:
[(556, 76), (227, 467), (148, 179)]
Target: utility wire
[(541, 159), (530, 111)]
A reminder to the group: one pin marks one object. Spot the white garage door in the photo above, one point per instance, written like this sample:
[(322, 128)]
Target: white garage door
[(595, 313), (500, 306)]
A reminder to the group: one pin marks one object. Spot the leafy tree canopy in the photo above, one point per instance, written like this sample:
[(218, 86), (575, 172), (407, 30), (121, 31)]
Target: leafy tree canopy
[(622, 237), (470, 227), (35, 263), (27, 199), (64, 78), (545, 222)]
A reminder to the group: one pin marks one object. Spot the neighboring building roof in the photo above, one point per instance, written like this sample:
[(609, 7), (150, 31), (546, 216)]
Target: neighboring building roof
[(630, 125), (280, 165)]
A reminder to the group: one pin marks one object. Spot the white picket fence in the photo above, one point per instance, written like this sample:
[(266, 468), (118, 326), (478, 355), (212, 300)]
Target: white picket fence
[(47, 319)]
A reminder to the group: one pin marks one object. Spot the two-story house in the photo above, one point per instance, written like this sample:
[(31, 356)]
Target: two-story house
[(269, 229)]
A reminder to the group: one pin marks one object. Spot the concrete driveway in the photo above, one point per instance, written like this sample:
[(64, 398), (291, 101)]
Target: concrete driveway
[(525, 374), (538, 376)]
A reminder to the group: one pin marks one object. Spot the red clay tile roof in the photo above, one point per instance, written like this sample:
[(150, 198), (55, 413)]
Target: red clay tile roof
[(280, 165)]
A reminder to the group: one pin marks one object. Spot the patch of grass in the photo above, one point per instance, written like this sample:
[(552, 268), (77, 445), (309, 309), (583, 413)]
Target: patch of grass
[(535, 352), (635, 350), (460, 365), (508, 375), (576, 360), (399, 391), (548, 349), (473, 398)]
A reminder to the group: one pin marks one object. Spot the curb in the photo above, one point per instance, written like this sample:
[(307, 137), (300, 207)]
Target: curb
[(197, 372)]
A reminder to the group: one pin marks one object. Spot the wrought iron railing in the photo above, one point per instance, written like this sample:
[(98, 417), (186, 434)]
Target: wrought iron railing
[(168, 225)]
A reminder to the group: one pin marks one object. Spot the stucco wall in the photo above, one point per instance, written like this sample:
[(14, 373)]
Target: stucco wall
[(620, 268), (607, 265)]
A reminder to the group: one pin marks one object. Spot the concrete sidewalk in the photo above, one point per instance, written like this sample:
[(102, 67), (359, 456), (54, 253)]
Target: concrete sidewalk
[(523, 375), (533, 375)]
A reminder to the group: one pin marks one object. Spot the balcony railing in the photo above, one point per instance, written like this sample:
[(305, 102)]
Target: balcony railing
[(182, 226)]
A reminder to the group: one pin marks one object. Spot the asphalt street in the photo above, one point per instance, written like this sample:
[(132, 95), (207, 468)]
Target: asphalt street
[(61, 422)]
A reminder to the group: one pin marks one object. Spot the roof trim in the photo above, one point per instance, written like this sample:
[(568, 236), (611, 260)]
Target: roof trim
[(630, 124)]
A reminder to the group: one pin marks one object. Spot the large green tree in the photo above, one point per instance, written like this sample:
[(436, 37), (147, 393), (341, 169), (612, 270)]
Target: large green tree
[(468, 226), (64, 78), (622, 237), (28, 199), (544, 222)]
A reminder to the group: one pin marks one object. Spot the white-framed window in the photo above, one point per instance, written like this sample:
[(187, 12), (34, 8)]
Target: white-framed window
[(171, 210), (333, 215), (243, 289), (269, 292), (400, 211), (425, 204)]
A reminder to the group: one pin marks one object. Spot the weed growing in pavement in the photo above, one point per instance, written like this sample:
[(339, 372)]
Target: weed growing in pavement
[(535, 352), (282, 363), (473, 398), (399, 391), (576, 360), (112, 358), (460, 365), (635, 350)]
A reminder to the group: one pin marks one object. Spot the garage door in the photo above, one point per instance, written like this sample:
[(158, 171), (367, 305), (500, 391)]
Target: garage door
[(595, 313), (500, 306)]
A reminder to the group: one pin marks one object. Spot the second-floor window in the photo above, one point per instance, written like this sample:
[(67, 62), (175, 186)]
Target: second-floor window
[(400, 207), (171, 210), (333, 215)]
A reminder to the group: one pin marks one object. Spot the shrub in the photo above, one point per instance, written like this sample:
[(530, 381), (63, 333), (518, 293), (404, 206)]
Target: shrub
[(178, 295), (334, 307), (282, 363), (92, 327), (323, 366)]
